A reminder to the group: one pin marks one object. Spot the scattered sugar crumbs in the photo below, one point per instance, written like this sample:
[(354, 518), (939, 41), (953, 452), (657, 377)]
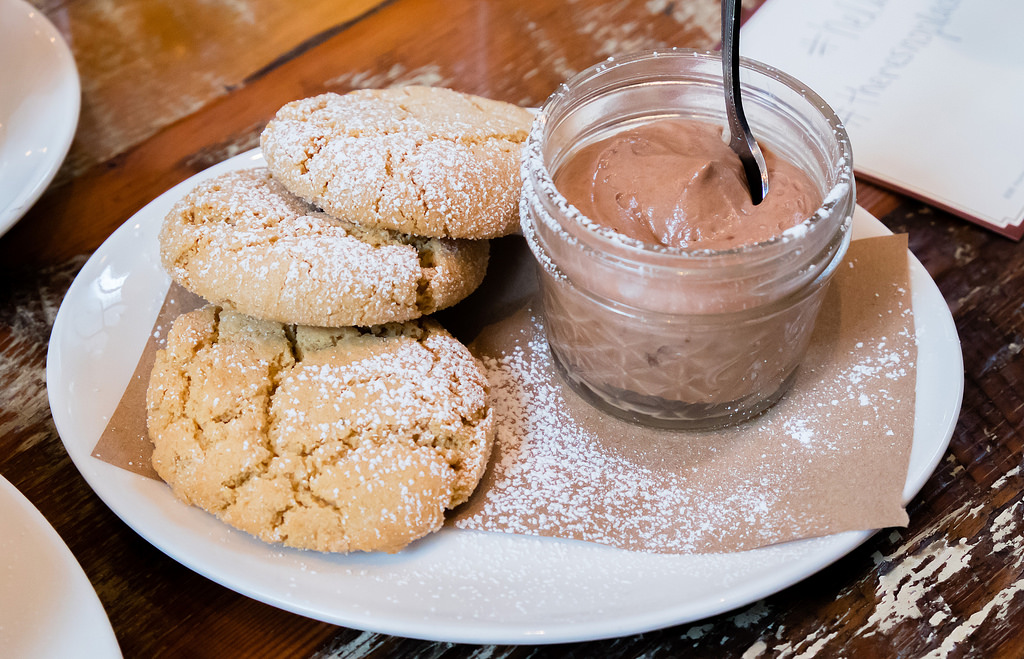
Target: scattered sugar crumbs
[(832, 456)]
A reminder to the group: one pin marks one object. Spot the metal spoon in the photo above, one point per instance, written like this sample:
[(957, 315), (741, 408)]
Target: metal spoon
[(740, 139)]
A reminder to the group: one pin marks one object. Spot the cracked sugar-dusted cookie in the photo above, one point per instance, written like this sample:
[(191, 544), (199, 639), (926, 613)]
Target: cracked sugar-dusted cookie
[(244, 242), (423, 160), (328, 439)]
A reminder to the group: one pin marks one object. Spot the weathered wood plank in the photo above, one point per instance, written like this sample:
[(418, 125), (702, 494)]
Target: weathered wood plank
[(947, 586)]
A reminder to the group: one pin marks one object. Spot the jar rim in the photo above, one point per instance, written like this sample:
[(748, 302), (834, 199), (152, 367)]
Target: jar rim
[(536, 169)]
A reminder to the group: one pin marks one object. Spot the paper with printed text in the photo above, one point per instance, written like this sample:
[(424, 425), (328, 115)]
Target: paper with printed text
[(931, 92)]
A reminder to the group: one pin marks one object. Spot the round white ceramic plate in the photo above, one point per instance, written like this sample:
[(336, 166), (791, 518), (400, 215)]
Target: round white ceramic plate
[(456, 585), (39, 103), (48, 608)]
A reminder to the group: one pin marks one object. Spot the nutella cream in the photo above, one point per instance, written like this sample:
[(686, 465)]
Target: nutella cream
[(677, 183), (668, 298)]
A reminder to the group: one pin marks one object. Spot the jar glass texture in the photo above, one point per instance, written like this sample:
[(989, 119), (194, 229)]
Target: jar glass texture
[(673, 337)]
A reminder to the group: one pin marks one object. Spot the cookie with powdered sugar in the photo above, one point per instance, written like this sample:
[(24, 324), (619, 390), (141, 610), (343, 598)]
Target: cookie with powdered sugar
[(422, 160), (244, 242), (334, 440)]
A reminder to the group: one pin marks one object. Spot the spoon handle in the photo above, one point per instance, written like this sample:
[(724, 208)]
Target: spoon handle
[(740, 139)]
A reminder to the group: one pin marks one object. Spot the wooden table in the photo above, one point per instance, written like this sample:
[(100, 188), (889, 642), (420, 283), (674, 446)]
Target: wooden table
[(173, 86)]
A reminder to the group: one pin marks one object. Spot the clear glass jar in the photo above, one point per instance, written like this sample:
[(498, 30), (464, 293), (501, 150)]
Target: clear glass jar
[(682, 338)]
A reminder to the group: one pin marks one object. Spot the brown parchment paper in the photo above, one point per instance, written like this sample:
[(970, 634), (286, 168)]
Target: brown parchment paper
[(831, 456), (125, 441)]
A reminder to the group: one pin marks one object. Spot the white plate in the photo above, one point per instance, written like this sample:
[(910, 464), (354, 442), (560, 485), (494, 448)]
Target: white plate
[(457, 585), (39, 103), (48, 608)]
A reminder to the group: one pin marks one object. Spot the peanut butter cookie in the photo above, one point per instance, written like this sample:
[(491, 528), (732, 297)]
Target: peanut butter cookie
[(242, 241), (422, 160), (328, 439)]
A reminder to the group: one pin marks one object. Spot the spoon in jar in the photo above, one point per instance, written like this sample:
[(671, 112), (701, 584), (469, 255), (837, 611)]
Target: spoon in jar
[(740, 139)]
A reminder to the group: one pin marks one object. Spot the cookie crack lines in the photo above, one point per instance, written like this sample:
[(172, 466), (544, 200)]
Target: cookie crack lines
[(309, 151), (514, 139), (418, 196), (424, 295), (276, 522)]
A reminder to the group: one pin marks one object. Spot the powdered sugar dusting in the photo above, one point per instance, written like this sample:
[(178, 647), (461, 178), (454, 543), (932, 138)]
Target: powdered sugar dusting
[(556, 477), (423, 160), (244, 226), (831, 456), (330, 439)]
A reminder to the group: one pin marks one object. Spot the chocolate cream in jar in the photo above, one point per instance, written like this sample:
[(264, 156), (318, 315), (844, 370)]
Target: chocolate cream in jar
[(699, 332)]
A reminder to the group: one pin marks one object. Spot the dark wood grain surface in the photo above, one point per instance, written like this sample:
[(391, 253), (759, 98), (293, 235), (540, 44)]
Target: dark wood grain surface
[(212, 74)]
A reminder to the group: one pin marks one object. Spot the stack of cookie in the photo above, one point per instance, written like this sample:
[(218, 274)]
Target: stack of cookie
[(312, 403)]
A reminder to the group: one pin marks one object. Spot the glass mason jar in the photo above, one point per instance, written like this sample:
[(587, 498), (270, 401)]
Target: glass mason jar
[(674, 337)]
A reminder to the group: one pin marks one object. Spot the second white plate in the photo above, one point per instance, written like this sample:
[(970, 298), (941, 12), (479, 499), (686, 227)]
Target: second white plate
[(48, 607), (39, 103)]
